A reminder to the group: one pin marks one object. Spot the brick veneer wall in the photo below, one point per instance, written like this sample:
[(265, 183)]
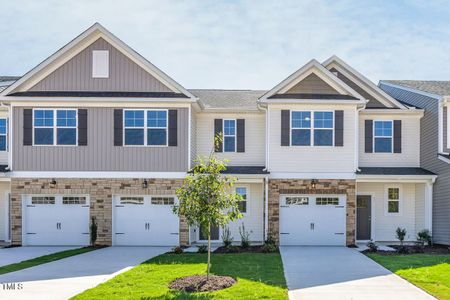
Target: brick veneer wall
[(279, 187), (100, 191)]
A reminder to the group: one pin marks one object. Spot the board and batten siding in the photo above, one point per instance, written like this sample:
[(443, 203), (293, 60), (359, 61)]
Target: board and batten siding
[(100, 154), (429, 147), (411, 205), (254, 154), (124, 74), (306, 159), (312, 84), (410, 155)]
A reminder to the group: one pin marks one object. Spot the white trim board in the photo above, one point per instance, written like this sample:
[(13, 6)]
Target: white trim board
[(288, 175), (89, 174)]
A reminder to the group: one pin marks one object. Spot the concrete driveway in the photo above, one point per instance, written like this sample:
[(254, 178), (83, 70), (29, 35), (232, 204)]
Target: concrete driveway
[(68, 277), (17, 254), (341, 273)]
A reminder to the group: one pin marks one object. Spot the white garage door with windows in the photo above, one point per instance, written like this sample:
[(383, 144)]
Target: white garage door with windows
[(313, 220), (55, 220), (145, 221)]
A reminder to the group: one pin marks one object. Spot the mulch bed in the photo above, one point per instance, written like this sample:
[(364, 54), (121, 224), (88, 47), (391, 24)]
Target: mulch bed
[(198, 283), (238, 249), (435, 249)]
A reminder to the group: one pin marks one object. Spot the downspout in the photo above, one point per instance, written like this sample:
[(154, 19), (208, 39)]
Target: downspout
[(266, 178), (258, 104), (358, 110)]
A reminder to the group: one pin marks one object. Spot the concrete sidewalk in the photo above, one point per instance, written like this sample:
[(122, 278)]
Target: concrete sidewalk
[(314, 273), (17, 254), (68, 277)]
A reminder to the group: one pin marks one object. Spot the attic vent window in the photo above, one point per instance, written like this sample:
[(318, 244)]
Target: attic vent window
[(100, 64), (336, 73)]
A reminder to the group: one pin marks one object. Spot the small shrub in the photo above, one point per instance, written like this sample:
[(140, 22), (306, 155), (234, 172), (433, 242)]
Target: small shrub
[(232, 249), (93, 231), (270, 240), (269, 248), (245, 236), (202, 249), (373, 247), (177, 250), (227, 239), (424, 237), (400, 234)]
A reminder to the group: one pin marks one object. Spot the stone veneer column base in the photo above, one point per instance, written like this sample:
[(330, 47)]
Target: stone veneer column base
[(279, 187), (100, 192)]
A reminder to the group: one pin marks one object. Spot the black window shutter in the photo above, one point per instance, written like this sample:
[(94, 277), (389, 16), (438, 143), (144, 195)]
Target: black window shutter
[(339, 128), (397, 136), (27, 127), (285, 127), (118, 127), (218, 123), (82, 127), (368, 125), (173, 125), (240, 143)]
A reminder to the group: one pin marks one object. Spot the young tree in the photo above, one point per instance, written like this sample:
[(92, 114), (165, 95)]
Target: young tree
[(206, 198)]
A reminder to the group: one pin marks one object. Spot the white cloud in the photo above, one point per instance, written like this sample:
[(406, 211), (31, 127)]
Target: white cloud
[(241, 44)]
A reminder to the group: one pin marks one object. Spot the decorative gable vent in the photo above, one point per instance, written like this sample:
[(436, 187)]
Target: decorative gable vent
[(100, 63)]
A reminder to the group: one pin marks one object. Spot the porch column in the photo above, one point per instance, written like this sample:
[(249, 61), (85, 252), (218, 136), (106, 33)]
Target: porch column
[(429, 206)]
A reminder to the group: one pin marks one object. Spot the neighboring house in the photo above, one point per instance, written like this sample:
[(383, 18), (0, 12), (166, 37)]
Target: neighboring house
[(434, 98), (96, 131)]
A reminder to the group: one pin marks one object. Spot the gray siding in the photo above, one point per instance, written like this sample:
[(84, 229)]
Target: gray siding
[(76, 74), (100, 154), (312, 84), (429, 160), (373, 103)]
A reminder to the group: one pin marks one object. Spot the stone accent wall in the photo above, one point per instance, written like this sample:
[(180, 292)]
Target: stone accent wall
[(278, 187), (100, 191)]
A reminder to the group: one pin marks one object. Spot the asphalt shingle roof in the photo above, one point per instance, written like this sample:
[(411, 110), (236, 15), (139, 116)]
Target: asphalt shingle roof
[(441, 88), (231, 99), (393, 171)]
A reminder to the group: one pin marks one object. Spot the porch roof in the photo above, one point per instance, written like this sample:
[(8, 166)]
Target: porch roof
[(393, 171)]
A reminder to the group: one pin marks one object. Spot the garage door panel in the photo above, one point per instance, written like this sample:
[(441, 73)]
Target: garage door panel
[(48, 220), (145, 221), (312, 220)]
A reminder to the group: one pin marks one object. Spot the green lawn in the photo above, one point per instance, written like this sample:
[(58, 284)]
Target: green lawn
[(259, 276), (429, 272), (43, 260)]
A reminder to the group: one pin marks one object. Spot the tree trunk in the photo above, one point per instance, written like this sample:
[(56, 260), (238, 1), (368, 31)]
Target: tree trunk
[(209, 252)]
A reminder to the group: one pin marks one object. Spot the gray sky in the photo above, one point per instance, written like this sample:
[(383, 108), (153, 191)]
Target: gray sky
[(241, 44)]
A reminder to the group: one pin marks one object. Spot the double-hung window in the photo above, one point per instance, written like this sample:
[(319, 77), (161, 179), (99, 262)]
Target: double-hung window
[(145, 127), (323, 128), (382, 137), (3, 134), (243, 203), (229, 135), (55, 126), (307, 126), (301, 128)]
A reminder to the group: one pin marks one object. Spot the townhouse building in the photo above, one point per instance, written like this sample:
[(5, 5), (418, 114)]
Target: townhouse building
[(325, 157)]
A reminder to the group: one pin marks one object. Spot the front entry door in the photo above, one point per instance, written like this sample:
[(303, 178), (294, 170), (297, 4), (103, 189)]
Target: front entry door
[(214, 234), (363, 217)]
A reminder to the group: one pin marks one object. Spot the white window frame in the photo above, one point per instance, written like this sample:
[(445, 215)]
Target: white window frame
[(400, 200), (391, 137), (100, 63), (145, 127), (55, 127), (247, 200), (312, 128), (229, 135), (448, 126), (5, 135)]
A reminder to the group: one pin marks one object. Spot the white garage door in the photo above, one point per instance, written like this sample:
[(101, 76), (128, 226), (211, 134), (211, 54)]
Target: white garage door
[(145, 221), (56, 220), (312, 220)]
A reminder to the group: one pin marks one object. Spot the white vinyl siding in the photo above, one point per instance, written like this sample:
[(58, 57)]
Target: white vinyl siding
[(311, 159), (412, 208), (410, 155), (254, 154), (4, 211)]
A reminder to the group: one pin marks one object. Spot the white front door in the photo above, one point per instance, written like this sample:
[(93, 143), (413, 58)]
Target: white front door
[(55, 220), (145, 221), (312, 220)]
